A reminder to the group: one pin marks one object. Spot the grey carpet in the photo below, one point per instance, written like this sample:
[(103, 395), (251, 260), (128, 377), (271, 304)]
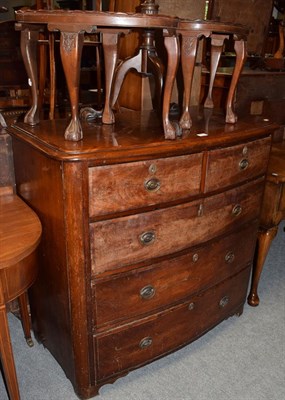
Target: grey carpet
[(241, 359)]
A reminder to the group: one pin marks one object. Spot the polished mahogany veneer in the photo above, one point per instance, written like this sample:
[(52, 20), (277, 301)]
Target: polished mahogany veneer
[(147, 243)]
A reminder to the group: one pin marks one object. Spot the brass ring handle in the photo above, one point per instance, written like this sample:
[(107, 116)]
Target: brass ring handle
[(147, 292), (243, 164), (145, 342), (229, 257), (147, 238), (224, 301), (237, 209), (152, 185)]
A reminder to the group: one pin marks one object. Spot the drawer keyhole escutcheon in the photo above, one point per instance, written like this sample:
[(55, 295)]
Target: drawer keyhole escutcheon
[(195, 257), (200, 210), (147, 238), (152, 169), (244, 151), (147, 292), (237, 209), (152, 185), (224, 301), (229, 257), (243, 164), (145, 342)]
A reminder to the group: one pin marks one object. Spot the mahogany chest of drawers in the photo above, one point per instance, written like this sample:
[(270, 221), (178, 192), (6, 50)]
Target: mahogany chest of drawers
[(147, 243)]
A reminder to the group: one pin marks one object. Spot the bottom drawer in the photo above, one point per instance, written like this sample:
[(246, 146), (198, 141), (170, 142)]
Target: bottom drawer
[(130, 346)]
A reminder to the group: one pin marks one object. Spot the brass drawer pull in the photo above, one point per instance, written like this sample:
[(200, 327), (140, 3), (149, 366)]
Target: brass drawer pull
[(147, 292), (145, 342), (237, 209), (229, 257), (224, 301), (147, 237), (191, 306), (152, 185), (243, 164)]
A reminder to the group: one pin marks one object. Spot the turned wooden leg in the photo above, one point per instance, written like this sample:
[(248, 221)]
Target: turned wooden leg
[(71, 44), (29, 43), (156, 67), (188, 57), (7, 358), (217, 42), (25, 318), (110, 49), (263, 244), (52, 72), (172, 47), (42, 67), (240, 49), (99, 78)]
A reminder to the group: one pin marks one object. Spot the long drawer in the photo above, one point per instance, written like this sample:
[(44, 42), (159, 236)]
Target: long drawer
[(120, 187), (236, 164), (140, 237), (143, 290), (133, 345)]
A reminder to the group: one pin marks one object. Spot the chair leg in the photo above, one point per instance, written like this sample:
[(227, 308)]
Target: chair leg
[(263, 245), (7, 357), (26, 323)]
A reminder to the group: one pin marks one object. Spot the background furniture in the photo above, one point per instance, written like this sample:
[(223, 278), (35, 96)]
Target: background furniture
[(147, 243), (20, 232), (14, 89), (272, 213)]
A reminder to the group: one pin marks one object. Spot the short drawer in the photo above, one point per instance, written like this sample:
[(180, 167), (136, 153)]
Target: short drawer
[(135, 238), (236, 164), (120, 187), (143, 341), (159, 285)]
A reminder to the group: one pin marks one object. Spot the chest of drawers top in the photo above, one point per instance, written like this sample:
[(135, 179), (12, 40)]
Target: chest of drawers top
[(138, 136)]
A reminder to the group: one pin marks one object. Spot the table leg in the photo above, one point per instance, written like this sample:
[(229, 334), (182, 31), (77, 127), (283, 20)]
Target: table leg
[(29, 46), (23, 304), (136, 62), (156, 67), (121, 72), (71, 44), (172, 47), (110, 49), (217, 42), (7, 358), (188, 57), (240, 49), (263, 244), (52, 71)]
